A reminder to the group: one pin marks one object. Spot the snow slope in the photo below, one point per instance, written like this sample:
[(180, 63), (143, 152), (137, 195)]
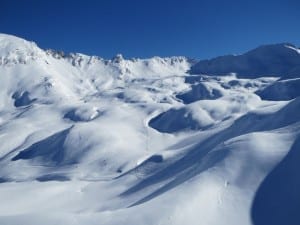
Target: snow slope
[(85, 140), (282, 60)]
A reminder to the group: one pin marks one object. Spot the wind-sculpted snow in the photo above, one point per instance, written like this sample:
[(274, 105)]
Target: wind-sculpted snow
[(281, 90), (22, 99), (282, 184), (175, 120), (82, 114), (199, 92), (202, 156), (86, 140), (48, 152)]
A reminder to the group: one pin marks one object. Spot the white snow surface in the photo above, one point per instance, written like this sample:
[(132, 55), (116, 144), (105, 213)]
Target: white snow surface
[(86, 140)]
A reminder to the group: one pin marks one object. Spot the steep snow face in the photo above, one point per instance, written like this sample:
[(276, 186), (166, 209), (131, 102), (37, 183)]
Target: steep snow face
[(141, 141), (268, 60)]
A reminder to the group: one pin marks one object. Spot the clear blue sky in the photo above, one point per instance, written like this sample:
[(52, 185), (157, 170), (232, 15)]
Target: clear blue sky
[(145, 28)]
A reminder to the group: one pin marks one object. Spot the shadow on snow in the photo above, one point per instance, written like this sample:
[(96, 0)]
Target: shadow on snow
[(201, 157)]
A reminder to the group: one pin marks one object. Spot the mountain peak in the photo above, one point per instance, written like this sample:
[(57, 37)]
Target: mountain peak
[(10, 43), (117, 58), (15, 50), (280, 48)]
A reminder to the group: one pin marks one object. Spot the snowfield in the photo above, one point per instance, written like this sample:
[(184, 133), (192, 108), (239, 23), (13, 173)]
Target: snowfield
[(158, 141)]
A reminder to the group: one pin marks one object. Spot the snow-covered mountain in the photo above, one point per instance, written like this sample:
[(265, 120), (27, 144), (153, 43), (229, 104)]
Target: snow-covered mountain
[(268, 60), (85, 140)]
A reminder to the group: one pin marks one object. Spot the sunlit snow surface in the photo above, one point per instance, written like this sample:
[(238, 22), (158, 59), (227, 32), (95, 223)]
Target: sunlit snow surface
[(91, 141)]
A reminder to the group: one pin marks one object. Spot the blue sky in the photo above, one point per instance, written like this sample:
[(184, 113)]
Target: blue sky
[(145, 28)]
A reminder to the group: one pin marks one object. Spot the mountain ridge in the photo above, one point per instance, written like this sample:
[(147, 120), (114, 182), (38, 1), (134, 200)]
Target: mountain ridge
[(12, 45), (266, 60), (252, 63)]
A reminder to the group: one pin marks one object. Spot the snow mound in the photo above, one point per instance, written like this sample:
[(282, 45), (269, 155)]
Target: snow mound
[(82, 114), (281, 90), (48, 152), (175, 120), (22, 99), (202, 115), (200, 91)]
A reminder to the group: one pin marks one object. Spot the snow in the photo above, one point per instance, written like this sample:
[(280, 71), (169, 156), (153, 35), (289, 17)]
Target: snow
[(281, 90), (282, 60), (85, 140)]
